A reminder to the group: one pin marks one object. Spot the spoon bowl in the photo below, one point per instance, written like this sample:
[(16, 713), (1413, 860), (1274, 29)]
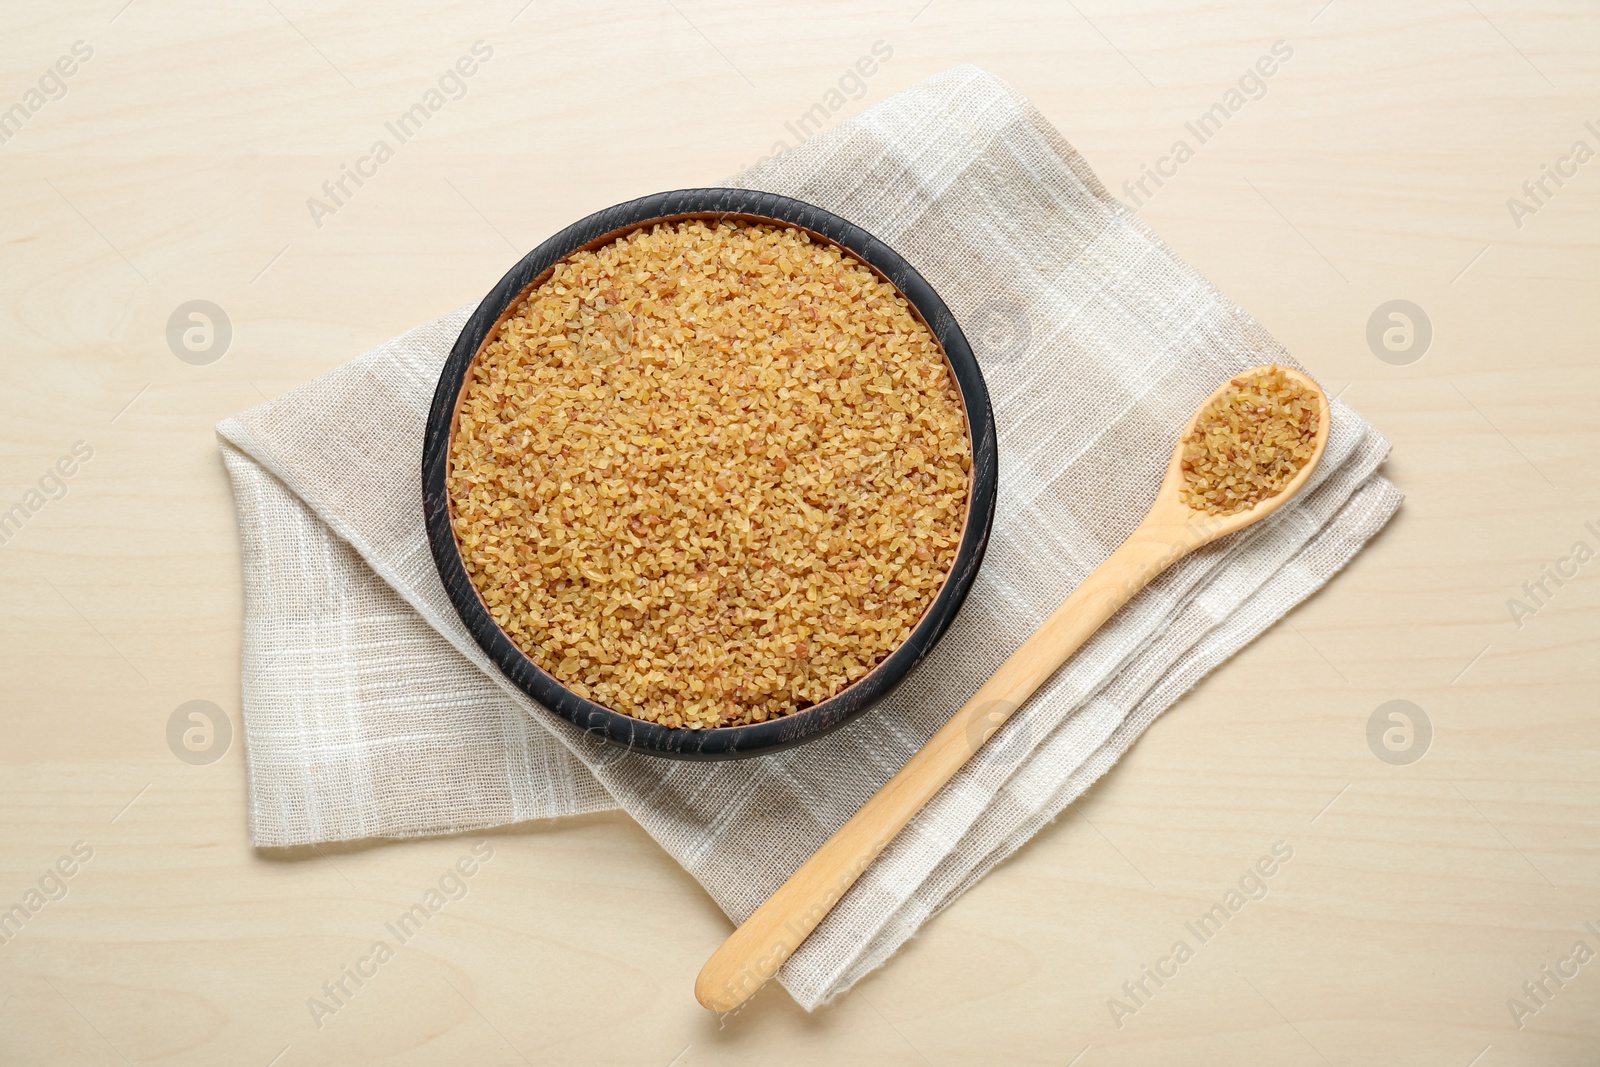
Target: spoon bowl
[(1187, 528), (1170, 495)]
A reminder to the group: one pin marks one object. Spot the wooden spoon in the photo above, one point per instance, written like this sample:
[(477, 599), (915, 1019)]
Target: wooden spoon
[(1169, 532)]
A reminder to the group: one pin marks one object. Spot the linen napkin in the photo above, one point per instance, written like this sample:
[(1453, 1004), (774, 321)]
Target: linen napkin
[(369, 711)]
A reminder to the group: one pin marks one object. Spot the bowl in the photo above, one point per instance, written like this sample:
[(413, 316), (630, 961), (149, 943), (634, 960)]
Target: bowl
[(753, 739)]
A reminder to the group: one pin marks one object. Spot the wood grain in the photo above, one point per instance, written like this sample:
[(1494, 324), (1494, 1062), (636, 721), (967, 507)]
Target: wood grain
[(1377, 166)]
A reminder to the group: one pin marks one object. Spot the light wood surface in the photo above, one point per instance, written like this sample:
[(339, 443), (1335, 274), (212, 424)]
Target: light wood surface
[(1416, 900), (1171, 530)]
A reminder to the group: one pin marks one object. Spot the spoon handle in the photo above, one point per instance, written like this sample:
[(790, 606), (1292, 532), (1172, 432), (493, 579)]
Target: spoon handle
[(755, 951)]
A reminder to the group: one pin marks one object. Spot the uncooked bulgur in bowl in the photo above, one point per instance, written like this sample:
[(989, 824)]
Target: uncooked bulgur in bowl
[(708, 472)]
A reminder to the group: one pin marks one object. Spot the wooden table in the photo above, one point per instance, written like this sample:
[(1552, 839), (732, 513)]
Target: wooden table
[(1375, 164)]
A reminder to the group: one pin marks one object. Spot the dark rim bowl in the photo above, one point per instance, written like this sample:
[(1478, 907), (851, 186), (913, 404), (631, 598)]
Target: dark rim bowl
[(729, 742)]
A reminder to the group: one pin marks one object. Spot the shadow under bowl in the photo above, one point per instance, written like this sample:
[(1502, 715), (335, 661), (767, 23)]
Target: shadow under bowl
[(729, 742)]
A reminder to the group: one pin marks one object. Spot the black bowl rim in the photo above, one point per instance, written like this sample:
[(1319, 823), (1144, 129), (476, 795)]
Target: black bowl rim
[(729, 742)]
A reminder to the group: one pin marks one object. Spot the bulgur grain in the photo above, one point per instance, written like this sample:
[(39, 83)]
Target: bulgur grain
[(709, 473), (1250, 442)]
